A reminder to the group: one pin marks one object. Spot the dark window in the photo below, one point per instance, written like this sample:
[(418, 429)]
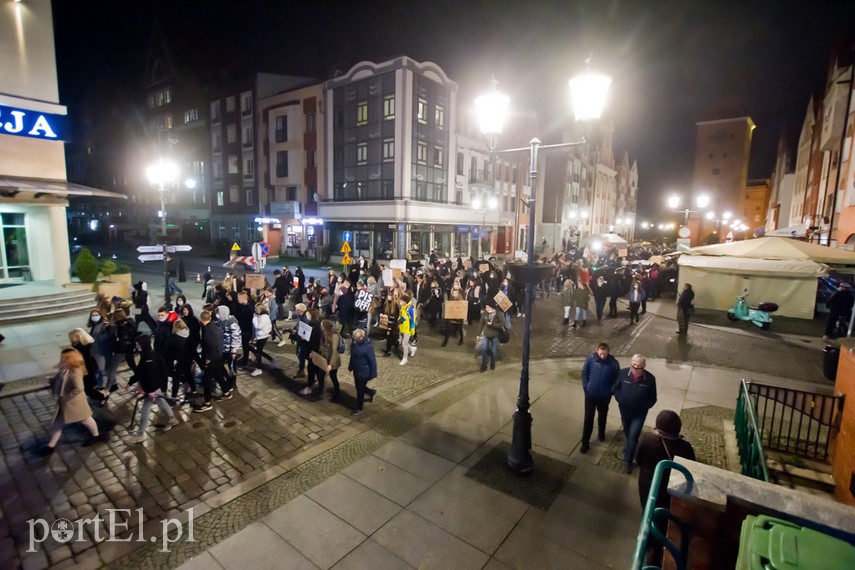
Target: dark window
[(282, 128), (282, 164), (310, 123)]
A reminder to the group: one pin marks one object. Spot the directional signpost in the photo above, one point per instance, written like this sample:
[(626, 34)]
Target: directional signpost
[(158, 253), (150, 257)]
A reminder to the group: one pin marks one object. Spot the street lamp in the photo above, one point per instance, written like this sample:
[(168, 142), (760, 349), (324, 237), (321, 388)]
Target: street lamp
[(161, 174), (491, 205), (588, 93)]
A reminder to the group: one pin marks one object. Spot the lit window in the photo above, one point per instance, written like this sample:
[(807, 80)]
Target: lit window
[(234, 195), (230, 104), (421, 153), (389, 149), (233, 165), (159, 98), (439, 116), (422, 111), (191, 115), (362, 113), (167, 121), (168, 95), (389, 107), (221, 201), (361, 153), (438, 157)]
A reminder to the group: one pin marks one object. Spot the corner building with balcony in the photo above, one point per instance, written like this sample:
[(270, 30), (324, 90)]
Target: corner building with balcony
[(391, 150)]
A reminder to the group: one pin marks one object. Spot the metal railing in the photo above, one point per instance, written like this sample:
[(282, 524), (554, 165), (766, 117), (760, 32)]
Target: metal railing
[(794, 421), (654, 522), (751, 456)]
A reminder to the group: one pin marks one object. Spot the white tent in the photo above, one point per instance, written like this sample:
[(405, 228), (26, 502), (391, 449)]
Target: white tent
[(606, 239), (777, 269)]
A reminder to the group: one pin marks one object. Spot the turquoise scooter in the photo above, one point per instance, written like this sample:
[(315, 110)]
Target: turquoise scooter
[(759, 315)]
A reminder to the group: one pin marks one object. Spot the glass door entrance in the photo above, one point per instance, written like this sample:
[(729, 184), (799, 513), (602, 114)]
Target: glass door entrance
[(14, 257)]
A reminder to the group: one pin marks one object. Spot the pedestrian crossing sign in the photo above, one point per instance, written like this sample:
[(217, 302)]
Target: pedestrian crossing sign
[(235, 247), (345, 247), (346, 259)]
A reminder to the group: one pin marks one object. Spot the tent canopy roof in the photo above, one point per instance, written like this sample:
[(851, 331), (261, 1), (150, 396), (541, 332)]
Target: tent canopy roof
[(779, 248), (606, 239)]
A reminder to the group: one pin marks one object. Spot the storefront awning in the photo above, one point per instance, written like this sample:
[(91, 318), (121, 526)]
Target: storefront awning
[(13, 186)]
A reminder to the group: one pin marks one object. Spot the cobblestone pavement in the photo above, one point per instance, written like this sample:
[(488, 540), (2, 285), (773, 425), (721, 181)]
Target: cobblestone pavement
[(268, 424)]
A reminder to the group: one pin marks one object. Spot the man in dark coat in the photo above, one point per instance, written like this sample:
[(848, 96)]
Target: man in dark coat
[(598, 375), (685, 308), (665, 442), (839, 305), (635, 393), (363, 365), (244, 313), (212, 354)]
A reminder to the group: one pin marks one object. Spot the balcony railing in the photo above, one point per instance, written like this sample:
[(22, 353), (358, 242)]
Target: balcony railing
[(751, 455), (796, 422), (479, 176)]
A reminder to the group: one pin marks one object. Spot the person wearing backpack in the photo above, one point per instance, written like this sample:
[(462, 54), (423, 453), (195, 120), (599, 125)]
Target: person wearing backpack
[(331, 348), (152, 379)]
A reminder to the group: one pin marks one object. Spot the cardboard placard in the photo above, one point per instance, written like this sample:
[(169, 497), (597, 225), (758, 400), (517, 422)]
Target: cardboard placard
[(622, 252), (398, 264), (503, 302), (363, 301), (388, 278), (455, 310), (396, 273), (319, 360), (254, 281), (304, 331)]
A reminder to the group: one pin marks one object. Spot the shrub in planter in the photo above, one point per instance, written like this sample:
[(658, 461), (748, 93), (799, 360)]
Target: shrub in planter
[(86, 266), (108, 268)]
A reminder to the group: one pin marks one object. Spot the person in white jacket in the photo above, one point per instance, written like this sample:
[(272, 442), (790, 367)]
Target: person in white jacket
[(262, 326)]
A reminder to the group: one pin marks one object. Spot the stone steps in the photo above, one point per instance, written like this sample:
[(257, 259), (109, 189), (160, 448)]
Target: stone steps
[(45, 307), (809, 476)]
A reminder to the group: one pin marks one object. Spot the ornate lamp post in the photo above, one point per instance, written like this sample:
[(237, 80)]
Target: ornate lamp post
[(588, 94)]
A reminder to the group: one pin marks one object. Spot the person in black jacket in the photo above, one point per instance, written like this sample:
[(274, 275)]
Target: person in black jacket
[(839, 306), (345, 309), (151, 383), (244, 312), (212, 354), (313, 320), (685, 308), (598, 376), (140, 299), (665, 442), (363, 365), (635, 393), (178, 358)]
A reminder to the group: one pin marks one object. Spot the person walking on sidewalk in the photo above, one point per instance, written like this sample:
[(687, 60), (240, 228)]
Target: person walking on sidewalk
[(363, 365), (600, 290), (407, 321), (636, 297), (491, 326), (453, 326), (598, 376), (212, 355), (262, 327), (568, 300), (71, 404), (329, 350), (685, 308), (635, 393), (582, 297), (245, 314), (151, 384), (172, 278), (232, 341)]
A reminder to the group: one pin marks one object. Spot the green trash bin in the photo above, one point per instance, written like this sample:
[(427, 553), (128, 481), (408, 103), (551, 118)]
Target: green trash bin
[(767, 543)]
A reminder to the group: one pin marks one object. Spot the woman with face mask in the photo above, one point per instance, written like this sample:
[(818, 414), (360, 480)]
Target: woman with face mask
[(636, 296), (102, 350), (600, 288)]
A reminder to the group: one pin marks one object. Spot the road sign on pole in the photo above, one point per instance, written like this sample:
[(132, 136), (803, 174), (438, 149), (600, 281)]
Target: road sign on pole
[(346, 259), (175, 248), (151, 257), (150, 249), (348, 236), (235, 247), (345, 248)]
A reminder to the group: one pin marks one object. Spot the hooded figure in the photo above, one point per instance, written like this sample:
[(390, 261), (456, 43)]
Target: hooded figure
[(231, 330)]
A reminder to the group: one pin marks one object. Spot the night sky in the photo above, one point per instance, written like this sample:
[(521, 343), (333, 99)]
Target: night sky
[(673, 62)]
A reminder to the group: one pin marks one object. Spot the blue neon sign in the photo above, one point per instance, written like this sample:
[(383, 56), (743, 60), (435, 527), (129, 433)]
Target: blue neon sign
[(33, 124)]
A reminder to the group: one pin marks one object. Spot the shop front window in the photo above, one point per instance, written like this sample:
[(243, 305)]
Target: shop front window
[(384, 244), (442, 244)]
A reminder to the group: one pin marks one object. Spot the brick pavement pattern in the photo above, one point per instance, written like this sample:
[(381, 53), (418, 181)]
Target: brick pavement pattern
[(268, 422)]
